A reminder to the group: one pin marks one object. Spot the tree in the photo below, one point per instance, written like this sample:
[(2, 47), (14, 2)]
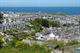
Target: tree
[(79, 22), (45, 23), (36, 21), (1, 18), (55, 24), (66, 25), (37, 28)]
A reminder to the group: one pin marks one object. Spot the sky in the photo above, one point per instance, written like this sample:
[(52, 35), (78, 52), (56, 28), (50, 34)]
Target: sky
[(31, 3)]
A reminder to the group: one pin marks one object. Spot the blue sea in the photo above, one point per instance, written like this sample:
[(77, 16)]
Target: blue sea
[(66, 10)]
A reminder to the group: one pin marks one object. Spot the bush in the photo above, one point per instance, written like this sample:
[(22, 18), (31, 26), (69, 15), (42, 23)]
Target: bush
[(60, 43), (73, 42), (42, 22), (24, 48), (55, 24), (66, 25), (1, 42)]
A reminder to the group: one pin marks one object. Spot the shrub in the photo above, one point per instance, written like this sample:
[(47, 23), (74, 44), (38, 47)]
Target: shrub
[(73, 42)]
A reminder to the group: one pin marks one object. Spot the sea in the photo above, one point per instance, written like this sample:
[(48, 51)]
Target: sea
[(65, 10)]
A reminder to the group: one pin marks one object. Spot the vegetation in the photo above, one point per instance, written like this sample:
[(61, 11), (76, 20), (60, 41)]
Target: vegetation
[(19, 35), (1, 42), (56, 42), (59, 14), (17, 46), (55, 24), (73, 42), (79, 22), (37, 27), (66, 25), (21, 47), (39, 22)]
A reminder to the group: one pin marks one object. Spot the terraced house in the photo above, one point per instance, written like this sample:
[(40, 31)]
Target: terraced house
[(10, 21)]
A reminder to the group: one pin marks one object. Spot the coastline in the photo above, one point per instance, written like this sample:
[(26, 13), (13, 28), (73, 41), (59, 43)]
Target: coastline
[(50, 10)]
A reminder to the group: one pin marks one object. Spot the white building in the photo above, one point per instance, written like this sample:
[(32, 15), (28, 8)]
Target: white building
[(49, 36)]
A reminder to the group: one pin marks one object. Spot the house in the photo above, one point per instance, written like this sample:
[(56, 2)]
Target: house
[(39, 36), (49, 36), (52, 36), (10, 21)]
